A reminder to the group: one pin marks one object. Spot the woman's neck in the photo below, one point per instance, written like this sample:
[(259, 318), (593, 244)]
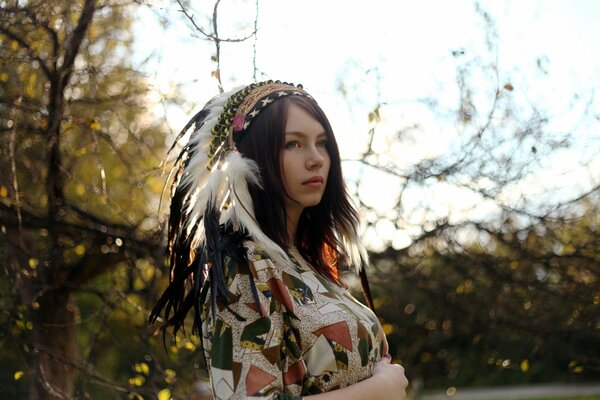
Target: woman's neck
[(293, 217)]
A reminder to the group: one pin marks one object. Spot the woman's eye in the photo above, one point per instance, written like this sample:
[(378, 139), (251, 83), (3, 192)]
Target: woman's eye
[(291, 145), (322, 143)]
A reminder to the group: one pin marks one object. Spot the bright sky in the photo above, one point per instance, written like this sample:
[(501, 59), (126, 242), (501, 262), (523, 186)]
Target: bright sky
[(406, 47)]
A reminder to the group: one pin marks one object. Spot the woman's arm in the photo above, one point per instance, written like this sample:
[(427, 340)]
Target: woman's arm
[(387, 383)]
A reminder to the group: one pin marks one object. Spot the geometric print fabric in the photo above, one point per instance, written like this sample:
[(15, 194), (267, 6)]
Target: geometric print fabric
[(306, 336)]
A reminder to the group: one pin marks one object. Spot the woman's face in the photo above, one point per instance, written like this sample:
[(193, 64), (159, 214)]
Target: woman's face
[(305, 160)]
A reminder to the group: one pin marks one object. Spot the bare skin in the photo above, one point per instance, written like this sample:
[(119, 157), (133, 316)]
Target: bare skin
[(304, 157), (388, 382)]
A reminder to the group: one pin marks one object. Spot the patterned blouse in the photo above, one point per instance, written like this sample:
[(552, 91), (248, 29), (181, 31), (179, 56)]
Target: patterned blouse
[(306, 336)]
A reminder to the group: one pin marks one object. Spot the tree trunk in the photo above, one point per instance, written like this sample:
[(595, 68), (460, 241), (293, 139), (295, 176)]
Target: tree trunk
[(55, 345), (55, 333)]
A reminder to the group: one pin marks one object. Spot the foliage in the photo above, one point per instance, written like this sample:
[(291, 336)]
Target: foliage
[(515, 306), (78, 205)]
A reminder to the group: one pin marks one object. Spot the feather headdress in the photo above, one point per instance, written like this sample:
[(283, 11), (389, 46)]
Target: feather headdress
[(211, 191), (214, 176)]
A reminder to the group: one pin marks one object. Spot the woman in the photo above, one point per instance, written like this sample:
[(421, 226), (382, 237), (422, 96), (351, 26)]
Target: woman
[(260, 227)]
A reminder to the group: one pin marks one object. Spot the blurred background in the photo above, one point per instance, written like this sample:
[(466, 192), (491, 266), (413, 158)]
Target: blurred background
[(471, 144)]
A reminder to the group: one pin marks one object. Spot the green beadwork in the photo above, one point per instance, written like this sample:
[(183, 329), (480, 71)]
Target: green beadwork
[(219, 144)]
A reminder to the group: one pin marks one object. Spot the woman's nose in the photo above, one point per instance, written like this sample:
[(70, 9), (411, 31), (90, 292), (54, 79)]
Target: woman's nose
[(315, 158)]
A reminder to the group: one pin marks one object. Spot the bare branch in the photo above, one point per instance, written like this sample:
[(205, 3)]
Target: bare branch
[(214, 37), (217, 45), (13, 166), (74, 41), (255, 40)]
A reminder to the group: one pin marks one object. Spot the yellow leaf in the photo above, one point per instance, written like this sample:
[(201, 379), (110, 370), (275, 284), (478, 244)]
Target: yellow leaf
[(190, 346), (33, 263), (67, 126), (18, 375), (95, 125), (388, 329), (79, 189), (164, 394), (3, 191), (142, 368), (31, 87), (80, 249), (525, 365), (170, 373), (137, 381), (14, 44), (4, 77), (170, 378)]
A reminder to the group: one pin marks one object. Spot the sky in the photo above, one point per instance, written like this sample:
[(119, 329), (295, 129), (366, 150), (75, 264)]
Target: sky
[(398, 54)]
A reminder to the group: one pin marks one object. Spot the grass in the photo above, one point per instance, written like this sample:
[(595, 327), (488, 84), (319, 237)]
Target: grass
[(594, 397), (564, 398)]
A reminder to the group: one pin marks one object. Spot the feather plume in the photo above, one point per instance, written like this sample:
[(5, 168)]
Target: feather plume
[(223, 188), (242, 172)]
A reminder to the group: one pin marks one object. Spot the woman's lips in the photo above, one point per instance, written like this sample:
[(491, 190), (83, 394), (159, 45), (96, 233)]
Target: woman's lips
[(314, 182)]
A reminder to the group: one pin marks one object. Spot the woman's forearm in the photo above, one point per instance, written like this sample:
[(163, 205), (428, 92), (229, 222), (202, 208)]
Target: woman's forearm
[(363, 390), (389, 383)]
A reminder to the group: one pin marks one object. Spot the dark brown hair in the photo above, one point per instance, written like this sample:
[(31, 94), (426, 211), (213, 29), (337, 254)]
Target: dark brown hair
[(316, 238)]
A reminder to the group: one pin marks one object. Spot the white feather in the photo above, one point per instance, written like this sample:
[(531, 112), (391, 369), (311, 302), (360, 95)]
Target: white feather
[(242, 172), (196, 173)]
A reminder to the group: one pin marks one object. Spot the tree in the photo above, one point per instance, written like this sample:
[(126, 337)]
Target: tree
[(80, 152), (513, 305), (498, 285)]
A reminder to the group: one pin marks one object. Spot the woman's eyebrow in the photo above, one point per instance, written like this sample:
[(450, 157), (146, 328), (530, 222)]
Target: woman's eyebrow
[(302, 134)]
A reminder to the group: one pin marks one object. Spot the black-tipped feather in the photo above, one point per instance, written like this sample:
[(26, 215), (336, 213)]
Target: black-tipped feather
[(190, 284)]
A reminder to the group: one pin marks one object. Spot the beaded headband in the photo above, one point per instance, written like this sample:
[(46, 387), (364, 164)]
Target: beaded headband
[(241, 108)]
